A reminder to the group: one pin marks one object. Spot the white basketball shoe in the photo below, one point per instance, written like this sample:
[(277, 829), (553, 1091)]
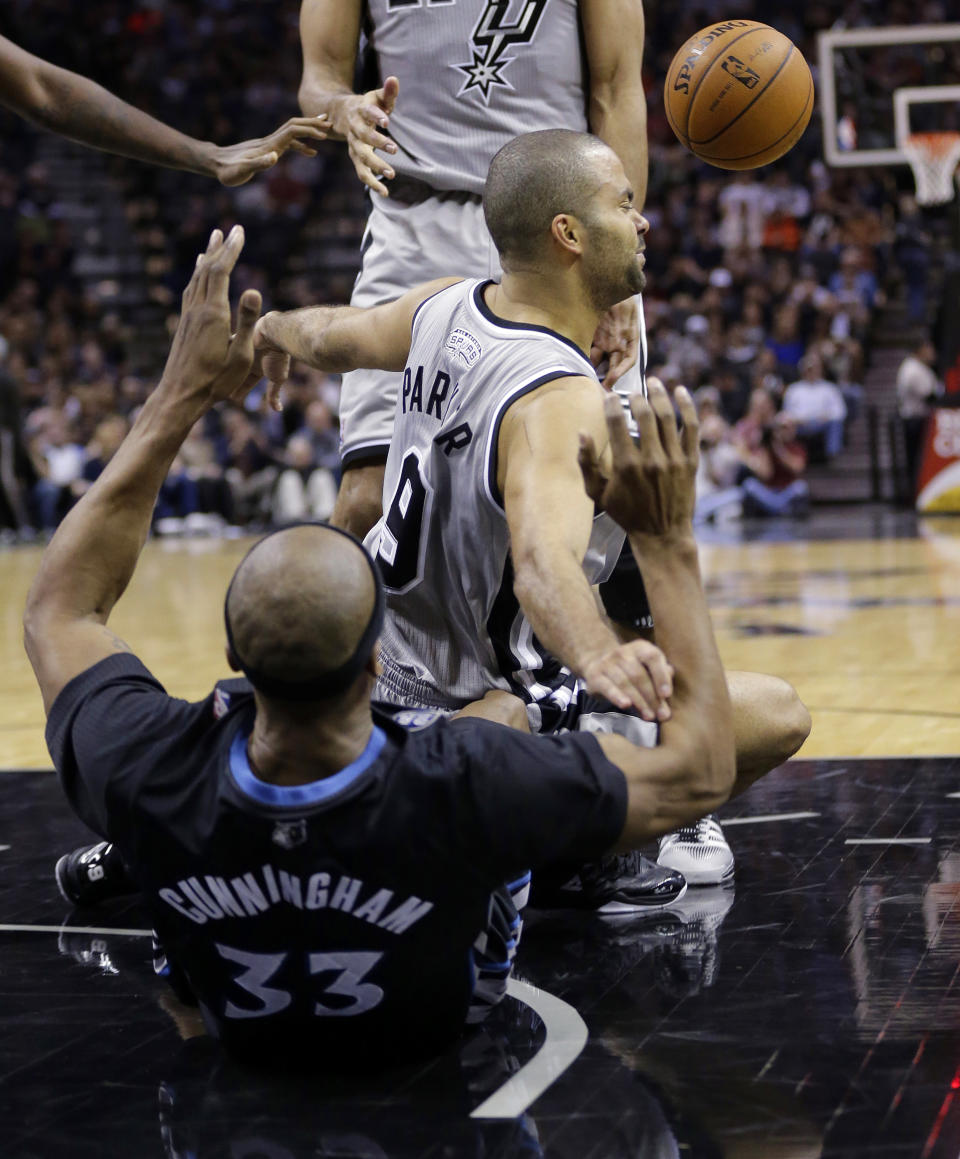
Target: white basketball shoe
[(699, 851)]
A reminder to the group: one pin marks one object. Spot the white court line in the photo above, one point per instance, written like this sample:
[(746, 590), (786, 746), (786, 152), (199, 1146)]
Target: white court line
[(566, 1036), (888, 841), (76, 930), (763, 817), (2, 847), (948, 794)]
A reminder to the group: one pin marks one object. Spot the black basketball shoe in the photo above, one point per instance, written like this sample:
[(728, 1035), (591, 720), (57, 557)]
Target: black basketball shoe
[(92, 875), (620, 884)]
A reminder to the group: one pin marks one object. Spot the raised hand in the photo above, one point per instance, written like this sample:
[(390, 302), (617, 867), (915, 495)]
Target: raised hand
[(236, 164), (650, 490), (632, 675), (617, 340), (208, 362), (357, 119)]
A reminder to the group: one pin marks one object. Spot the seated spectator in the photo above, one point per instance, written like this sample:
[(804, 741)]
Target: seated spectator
[(59, 460), (774, 485), (214, 496), (321, 429), (305, 490), (761, 411), (17, 474), (917, 387), (177, 500), (99, 451), (785, 339), (717, 493), (250, 464), (817, 406)]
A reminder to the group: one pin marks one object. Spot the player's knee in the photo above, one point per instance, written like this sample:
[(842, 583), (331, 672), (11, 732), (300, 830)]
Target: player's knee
[(791, 717), (360, 499)]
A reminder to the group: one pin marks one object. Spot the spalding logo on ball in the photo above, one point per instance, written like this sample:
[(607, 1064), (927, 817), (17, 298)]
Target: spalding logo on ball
[(739, 94)]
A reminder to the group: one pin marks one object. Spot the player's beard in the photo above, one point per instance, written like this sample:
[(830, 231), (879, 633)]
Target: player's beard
[(612, 272)]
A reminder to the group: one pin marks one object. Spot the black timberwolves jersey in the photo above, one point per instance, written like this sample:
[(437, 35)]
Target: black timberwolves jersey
[(335, 918)]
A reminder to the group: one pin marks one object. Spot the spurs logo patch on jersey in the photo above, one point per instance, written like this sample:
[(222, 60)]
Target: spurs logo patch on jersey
[(289, 834), (492, 36), (464, 346), (221, 703)]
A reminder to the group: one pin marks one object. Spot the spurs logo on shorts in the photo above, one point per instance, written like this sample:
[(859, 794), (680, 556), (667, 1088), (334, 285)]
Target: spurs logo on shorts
[(491, 39)]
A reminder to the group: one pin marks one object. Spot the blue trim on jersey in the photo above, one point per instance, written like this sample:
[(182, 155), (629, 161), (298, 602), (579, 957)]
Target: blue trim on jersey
[(314, 791), (523, 879)]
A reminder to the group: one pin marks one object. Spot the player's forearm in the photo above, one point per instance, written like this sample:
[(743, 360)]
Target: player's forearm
[(552, 589), (310, 335), (89, 562), (701, 712), (322, 92), (618, 116), (84, 111)]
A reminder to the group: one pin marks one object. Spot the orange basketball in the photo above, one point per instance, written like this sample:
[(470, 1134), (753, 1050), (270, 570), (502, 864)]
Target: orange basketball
[(738, 94)]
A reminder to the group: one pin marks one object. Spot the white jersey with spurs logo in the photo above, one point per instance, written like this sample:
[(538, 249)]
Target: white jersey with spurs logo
[(454, 629), (495, 70)]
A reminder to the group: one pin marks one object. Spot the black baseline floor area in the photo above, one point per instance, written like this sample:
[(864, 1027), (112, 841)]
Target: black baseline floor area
[(811, 1009)]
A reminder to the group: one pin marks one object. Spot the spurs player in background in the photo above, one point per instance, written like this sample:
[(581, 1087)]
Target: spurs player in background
[(489, 544), (457, 81)]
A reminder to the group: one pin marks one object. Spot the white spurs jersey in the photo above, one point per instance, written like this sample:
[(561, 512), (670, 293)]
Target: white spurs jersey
[(454, 629), (473, 74)]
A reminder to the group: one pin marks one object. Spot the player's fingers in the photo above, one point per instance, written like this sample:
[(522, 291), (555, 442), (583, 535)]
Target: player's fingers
[(646, 421), (389, 92), (690, 437), (224, 260), (603, 685), (593, 478), (637, 682), (615, 368), (666, 417), (372, 182), (299, 129), (374, 166), (240, 353), (620, 442)]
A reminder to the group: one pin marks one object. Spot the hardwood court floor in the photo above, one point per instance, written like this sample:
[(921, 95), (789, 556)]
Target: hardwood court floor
[(810, 1008), (865, 628)]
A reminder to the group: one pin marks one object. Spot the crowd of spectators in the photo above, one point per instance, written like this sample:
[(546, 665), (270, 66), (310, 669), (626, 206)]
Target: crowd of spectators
[(761, 285)]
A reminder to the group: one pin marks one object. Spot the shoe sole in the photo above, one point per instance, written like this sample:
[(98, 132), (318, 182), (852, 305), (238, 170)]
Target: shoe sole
[(702, 877), (624, 907), (58, 873)]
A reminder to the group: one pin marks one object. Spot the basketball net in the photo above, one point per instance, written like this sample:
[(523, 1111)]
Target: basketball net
[(933, 158)]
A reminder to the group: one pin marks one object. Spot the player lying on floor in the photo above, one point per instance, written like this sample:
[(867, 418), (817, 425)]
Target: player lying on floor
[(488, 545), (326, 884)]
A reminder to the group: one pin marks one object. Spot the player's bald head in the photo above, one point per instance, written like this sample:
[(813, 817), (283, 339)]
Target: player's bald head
[(299, 603), (532, 179)]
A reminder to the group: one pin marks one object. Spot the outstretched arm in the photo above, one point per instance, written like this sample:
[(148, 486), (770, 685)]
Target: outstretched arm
[(77, 107), (651, 493), (330, 38), (92, 556), (342, 338), (550, 518)]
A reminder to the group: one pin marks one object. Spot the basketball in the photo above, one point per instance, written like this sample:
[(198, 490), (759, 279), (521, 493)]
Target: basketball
[(738, 94)]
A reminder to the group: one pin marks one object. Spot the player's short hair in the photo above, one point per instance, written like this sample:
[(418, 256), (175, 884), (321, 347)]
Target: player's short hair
[(299, 606), (532, 179)]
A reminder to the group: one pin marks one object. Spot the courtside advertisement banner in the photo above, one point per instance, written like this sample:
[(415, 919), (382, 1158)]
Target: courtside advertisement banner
[(938, 486)]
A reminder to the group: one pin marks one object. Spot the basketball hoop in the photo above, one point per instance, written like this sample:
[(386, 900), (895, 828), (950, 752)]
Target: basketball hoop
[(933, 158)]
